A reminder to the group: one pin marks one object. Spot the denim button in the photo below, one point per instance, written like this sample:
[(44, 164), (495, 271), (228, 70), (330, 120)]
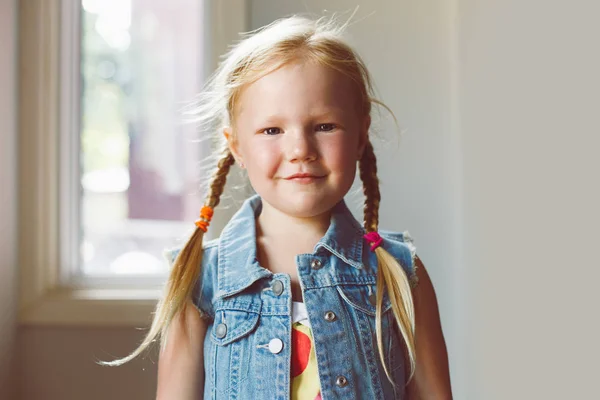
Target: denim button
[(330, 316), (275, 346), (315, 264), (341, 381), (277, 287), (221, 331)]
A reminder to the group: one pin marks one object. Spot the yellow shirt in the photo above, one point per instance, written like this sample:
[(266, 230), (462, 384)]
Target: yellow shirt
[(305, 378)]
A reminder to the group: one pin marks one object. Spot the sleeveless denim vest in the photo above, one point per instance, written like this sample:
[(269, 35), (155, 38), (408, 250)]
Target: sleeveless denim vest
[(248, 309)]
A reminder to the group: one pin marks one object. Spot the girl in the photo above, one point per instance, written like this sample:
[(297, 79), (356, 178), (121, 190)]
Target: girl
[(296, 299)]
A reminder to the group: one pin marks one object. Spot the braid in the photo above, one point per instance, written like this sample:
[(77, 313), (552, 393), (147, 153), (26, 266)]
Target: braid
[(368, 175), (219, 178), (391, 277), (185, 271)]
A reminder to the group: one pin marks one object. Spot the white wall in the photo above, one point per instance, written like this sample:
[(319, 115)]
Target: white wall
[(8, 203), (59, 364), (529, 106)]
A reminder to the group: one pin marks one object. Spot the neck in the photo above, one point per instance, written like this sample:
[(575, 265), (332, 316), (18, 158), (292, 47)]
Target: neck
[(275, 226)]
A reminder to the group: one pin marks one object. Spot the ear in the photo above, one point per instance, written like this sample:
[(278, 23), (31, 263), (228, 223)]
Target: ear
[(232, 143), (363, 136)]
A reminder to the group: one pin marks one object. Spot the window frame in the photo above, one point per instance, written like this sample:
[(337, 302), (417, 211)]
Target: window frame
[(48, 153)]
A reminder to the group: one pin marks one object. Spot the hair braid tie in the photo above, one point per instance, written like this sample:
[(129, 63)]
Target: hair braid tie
[(375, 239), (206, 214)]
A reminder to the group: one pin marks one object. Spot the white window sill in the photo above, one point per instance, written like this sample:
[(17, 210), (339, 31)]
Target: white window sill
[(92, 307)]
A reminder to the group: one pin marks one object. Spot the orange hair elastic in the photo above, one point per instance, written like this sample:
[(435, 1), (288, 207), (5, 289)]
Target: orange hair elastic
[(206, 214)]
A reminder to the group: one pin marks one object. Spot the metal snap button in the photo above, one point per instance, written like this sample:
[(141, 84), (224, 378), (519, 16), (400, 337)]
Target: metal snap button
[(341, 381), (275, 346), (330, 316), (221, 331), (277, 287), (316, 264), (373, 299)]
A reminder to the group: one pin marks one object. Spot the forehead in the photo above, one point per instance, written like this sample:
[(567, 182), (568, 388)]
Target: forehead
[(306, 87)]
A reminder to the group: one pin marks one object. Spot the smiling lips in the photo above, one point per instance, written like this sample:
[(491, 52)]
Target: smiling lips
[(303, 178)]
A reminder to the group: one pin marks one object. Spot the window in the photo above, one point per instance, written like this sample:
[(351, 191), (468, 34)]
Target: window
[(107, 165), (141, 60)]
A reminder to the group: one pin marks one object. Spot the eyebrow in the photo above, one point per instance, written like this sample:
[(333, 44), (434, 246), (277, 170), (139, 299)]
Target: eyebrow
[(328, 111), (337, 111)]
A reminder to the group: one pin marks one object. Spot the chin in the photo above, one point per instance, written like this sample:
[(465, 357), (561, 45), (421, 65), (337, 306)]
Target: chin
[(307, 205)]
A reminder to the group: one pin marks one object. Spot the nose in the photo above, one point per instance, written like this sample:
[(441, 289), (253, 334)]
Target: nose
[(301, 146)]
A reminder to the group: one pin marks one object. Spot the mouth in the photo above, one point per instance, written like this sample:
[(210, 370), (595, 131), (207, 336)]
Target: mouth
[(304, 178)]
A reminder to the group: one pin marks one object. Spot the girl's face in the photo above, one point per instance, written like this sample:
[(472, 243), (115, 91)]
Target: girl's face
[(300, 119)]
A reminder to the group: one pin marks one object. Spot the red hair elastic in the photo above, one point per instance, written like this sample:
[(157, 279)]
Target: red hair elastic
[(374, 239)]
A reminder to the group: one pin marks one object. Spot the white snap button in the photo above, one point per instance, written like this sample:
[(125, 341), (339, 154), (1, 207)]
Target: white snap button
[(277, 287), (275, 346), (221, 331)]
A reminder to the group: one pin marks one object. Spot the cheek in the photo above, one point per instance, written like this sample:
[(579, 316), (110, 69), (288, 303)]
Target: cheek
[(261, 157), (340, 152)]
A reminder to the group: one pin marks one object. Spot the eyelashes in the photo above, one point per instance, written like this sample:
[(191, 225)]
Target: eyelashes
[(272, 131), (328, 127)]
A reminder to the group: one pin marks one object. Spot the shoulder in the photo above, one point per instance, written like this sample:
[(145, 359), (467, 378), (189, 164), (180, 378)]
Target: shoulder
[(401, 246), (397, 236), (210, 250), (206, 281)]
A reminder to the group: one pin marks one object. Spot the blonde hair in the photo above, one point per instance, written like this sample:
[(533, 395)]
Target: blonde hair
[(258, 54)]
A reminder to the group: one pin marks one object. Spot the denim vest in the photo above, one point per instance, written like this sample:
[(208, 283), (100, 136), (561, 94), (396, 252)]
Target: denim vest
[(248, 309)]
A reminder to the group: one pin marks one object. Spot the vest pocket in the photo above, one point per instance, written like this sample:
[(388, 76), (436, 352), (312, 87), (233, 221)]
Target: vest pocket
[(232, 347), (362, 298), (232, 325), (360, 301)]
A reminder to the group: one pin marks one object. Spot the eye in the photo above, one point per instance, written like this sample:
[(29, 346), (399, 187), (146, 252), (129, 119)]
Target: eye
[(326, 127), (271, 131)]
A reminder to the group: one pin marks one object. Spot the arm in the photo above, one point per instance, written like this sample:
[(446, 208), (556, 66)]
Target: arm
[(432, 374), (181, 363)]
